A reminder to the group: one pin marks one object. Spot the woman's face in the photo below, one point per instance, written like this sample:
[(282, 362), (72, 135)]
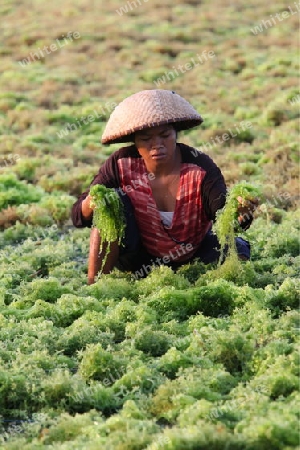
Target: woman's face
[(156, 145)]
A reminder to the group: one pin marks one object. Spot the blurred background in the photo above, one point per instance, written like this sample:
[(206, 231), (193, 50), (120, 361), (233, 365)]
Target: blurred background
[(66, 64)]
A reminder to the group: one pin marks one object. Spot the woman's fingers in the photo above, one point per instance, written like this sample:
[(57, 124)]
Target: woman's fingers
[(246, 208), (87, 208), (247, 203)]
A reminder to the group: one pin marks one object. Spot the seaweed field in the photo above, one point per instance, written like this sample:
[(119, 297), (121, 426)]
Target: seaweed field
[(197, 359)]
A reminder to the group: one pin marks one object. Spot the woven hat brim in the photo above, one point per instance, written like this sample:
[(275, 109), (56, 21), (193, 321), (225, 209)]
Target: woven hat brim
[(179, 125), (147, 109)]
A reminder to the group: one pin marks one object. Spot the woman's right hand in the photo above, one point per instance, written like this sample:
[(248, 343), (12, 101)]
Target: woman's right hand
[(86, 208)]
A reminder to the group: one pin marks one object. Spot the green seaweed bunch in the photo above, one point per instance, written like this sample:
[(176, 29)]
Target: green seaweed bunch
[(227, 226), (108, 216)]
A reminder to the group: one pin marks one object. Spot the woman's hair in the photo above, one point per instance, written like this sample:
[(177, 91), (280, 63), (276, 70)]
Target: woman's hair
[(173, 125)]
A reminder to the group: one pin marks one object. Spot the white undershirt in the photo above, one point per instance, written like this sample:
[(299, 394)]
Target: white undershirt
[(166, 217)]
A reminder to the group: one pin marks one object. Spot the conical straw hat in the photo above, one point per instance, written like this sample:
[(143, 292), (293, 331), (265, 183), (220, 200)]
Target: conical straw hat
[(147, 109)]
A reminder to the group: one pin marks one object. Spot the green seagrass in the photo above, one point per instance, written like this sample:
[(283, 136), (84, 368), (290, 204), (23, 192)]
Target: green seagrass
[(108, 216), (225, 226)]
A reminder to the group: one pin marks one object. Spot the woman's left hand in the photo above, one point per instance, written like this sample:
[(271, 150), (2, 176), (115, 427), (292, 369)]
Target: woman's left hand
[(246, 209)]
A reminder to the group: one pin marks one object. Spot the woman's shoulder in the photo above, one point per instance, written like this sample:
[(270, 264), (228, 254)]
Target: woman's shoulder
[(191, 155)]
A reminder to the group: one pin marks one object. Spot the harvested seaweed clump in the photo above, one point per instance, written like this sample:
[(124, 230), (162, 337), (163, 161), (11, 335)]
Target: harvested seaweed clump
[(225, 226), (108, 216)]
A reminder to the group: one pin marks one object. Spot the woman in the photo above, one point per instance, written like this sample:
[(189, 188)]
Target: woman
[(170, 191)]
